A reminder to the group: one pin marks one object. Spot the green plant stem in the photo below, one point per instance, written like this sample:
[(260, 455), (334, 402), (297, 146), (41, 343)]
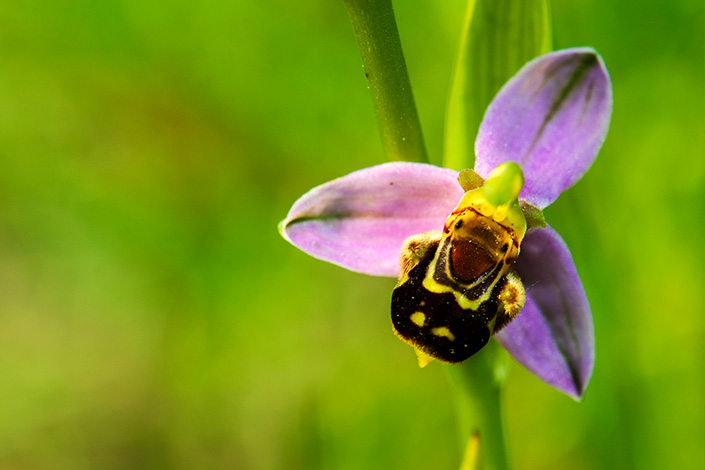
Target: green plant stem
[(383, 60), (478, 383)]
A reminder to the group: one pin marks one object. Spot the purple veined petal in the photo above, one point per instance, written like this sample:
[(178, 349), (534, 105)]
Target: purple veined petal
[(361, 220), (551, 118), (553, 334)]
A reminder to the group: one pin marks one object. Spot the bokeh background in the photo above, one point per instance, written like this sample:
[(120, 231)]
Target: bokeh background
[(151, 316)]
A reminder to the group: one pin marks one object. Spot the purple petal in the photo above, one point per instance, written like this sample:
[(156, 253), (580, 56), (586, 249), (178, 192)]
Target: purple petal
[(360, 221), (551, 118), (553, 334)]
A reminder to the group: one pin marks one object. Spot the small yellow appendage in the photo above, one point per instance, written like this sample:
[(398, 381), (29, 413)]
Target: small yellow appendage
[(424, 359)]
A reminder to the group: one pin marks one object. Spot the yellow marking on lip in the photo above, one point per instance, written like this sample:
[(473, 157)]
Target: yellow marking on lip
[(419, 318), (444, 332)]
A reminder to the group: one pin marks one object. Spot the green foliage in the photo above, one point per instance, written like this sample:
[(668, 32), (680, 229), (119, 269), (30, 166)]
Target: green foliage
[(498, 38), (152, 317)]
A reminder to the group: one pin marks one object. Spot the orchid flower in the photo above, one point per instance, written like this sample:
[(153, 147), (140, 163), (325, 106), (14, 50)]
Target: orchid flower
[(550, 119)]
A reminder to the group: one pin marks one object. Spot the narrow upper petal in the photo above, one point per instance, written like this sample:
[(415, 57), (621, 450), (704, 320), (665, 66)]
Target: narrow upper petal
[(553, 334), (551, 118), (360, 221)]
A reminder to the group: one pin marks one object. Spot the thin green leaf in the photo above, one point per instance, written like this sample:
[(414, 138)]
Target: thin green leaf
[(499, 36)]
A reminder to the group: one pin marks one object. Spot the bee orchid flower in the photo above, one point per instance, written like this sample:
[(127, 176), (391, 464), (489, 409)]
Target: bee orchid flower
[(550, 119)]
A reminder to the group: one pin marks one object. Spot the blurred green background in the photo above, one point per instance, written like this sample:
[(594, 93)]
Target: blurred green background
[(152, 317)]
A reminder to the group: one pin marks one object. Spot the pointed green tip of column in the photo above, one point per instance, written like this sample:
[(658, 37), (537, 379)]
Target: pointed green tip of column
[(504, 184)]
